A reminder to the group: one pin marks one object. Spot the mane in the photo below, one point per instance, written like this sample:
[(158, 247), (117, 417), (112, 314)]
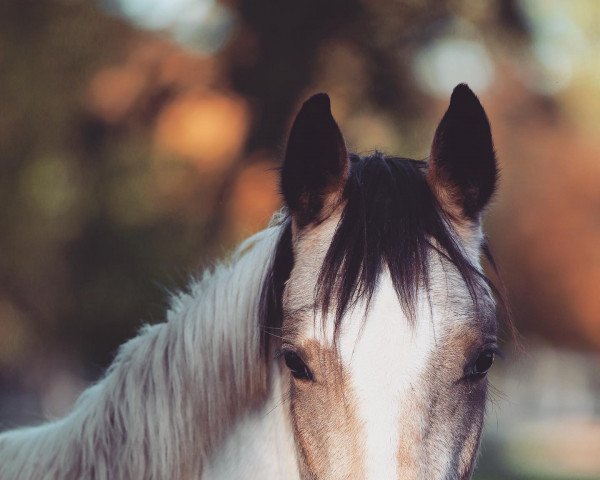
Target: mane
[(391, 219), (171, 393)]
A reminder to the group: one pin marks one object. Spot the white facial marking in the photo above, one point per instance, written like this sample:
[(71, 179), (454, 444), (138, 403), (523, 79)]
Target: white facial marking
[(383, 373), (383, 377)]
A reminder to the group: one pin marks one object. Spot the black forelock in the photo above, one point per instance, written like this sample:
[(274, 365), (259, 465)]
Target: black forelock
[(391, 219)]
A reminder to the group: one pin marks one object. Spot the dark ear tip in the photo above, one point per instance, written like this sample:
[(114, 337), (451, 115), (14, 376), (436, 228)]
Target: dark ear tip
[(464, 103), (320, 101), (462, 90), (462, 95)]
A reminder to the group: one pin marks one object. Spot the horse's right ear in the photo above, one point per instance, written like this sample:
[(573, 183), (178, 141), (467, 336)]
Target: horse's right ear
[(316, 162), (462, 167)]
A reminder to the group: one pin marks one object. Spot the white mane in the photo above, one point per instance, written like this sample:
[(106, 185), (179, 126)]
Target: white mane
[(171, 393)]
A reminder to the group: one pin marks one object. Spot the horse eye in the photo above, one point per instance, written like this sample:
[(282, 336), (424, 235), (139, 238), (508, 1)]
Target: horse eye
[(484, 362), (297, 367)]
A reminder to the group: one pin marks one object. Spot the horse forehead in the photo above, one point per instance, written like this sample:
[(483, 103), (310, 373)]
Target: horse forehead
[(310, 248), (365, 333), (446, 305), (444, 310)]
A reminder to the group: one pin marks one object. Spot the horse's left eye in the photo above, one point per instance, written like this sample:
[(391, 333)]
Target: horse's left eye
[(297, 367), (482, 364)]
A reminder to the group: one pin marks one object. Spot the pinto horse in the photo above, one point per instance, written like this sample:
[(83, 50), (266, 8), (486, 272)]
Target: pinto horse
[(349, 339)]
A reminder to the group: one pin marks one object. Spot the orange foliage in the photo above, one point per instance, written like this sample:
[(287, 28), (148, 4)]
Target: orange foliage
[(206, 128), (546, 227), (115, 91)]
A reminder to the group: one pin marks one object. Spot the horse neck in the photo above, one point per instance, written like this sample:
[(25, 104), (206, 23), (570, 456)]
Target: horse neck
[(261, 443), (172, 392)]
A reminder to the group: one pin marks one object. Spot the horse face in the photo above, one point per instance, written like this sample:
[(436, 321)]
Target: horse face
[(387, 341), (386, 397)]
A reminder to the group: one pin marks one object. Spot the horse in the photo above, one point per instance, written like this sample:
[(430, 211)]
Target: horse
[(351, 338)]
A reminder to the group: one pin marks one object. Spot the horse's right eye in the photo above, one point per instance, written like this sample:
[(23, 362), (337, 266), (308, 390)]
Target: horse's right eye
[(297, 367)]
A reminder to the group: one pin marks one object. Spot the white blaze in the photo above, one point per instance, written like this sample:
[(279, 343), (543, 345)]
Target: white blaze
[(384, 377)]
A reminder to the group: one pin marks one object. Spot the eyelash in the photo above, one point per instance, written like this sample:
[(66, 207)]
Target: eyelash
[(295, 364), (474, 372)]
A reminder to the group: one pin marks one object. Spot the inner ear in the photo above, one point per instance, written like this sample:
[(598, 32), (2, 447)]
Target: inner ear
[(462, 166), (316, 162)]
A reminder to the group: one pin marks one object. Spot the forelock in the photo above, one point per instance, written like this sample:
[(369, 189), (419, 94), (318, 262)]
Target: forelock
[(390, 219)]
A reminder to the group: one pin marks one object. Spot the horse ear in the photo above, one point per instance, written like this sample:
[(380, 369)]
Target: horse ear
[(462, 166), (316, 162)]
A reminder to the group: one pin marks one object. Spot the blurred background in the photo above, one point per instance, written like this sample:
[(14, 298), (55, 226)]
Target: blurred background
[(139, 141)]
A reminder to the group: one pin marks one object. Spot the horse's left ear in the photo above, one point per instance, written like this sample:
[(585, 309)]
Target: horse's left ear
[(462, 167), (316, 162)]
